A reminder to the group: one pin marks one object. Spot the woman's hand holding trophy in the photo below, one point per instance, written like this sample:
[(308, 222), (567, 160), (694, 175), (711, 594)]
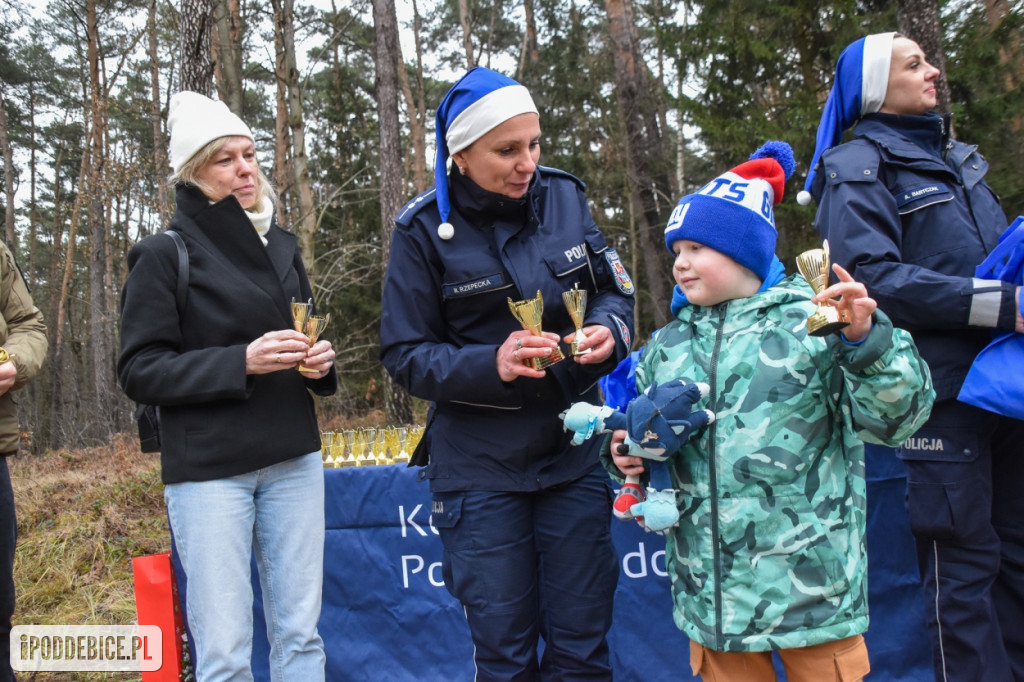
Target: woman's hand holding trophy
[(530, 353), (320, 355)]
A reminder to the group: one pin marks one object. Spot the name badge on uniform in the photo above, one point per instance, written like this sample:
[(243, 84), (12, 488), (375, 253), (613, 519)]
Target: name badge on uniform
[(474, 286)]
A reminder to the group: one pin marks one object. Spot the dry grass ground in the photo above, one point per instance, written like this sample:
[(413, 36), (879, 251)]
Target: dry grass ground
[(82, 516)]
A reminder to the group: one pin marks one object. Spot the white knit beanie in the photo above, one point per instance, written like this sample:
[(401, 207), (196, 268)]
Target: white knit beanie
[(195, 120)]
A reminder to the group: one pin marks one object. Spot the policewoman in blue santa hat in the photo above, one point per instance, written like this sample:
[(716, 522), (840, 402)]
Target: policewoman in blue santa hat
[(907, 211), (523, 514)]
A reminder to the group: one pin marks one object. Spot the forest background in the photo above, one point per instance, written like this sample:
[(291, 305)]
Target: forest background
[(645, 100)]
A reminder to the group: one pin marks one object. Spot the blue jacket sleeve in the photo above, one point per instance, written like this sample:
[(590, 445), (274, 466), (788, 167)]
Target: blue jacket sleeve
[(414, 346)]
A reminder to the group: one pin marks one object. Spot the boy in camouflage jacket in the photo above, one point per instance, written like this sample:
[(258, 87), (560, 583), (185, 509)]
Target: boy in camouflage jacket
[(769, 553)]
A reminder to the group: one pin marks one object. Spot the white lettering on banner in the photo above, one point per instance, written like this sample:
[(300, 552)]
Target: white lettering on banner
[(637, 564), (408, 520), (640, 571), (417, 565)]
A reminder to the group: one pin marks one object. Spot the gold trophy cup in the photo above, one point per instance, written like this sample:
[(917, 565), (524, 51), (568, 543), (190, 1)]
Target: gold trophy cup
[(310, 325), (815, 265), (576, 303), (300, 313), (529, 313)]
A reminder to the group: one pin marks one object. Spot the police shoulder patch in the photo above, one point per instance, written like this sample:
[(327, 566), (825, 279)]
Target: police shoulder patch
[(622, 280)]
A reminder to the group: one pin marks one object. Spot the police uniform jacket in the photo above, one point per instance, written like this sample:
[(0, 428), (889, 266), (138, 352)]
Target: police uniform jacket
[(907, 211), (446, 312), (215, 420)]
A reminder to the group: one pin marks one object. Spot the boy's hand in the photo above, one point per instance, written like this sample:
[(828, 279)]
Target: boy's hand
[(854, 304), (627, 464)]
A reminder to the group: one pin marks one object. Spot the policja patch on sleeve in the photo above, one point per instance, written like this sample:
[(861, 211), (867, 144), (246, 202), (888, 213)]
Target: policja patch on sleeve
[(622, 280)]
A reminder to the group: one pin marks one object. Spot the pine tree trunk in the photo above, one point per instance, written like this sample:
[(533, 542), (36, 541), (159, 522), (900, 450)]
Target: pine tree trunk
[(8, 157), (467, 36), (416, 107), (99, 319), (160, 167), (303, 219), (196, 65), (387, 59), (643, 147), (228, 54), (282, 167)]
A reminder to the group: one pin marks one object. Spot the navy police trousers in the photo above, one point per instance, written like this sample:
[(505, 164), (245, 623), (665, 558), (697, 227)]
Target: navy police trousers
[(965, 499), (529, 565)]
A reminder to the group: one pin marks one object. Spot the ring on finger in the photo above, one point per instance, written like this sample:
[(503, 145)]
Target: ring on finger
[(519, 343), (279, 356), (515, 354)]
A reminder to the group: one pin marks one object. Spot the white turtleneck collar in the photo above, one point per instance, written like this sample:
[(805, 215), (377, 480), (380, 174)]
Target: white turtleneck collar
[(261, 220)]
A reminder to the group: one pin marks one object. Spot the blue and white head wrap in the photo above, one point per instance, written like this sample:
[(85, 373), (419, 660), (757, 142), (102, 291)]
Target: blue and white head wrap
[(480, 101), (862, 76)]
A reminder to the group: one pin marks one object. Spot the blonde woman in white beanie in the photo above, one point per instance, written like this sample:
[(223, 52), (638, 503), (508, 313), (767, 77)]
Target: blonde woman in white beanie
[(240, 455)]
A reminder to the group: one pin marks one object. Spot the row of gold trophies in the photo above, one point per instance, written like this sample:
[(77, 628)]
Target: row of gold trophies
[(369, 446)]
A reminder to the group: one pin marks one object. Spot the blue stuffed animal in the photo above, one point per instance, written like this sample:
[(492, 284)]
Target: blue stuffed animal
[(657, 423)]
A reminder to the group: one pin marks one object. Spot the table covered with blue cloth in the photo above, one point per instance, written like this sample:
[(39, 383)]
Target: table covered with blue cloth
[(387, 616)]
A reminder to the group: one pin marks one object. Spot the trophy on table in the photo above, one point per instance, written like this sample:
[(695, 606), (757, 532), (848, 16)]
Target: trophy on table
[(368, 438), (815, 265), (575, 300), (325, 448), (310, 325), (402, 456), (345, 444), (529, 313)]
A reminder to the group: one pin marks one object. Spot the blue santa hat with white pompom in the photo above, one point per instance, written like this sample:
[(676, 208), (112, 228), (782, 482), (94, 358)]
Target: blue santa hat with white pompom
[(862, 78), (734, 213), (480, 101)]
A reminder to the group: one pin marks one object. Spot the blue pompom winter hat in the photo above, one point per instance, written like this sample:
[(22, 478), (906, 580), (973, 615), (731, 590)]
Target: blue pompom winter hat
[(734, 214), (862, 76), (480, 101)]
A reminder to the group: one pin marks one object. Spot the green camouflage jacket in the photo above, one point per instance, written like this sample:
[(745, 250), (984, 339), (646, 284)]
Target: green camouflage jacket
[(769, 552)]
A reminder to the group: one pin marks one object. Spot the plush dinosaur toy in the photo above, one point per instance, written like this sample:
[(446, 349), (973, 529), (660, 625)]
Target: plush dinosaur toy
[(657, 422)]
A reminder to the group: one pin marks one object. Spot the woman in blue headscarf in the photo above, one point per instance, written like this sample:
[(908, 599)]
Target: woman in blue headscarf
[(907, 211), (523, 514)]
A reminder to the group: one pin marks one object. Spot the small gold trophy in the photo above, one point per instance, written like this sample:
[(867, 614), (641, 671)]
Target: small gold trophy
[(815, 265), (402, 456), (300, 313), (310, 325), (576, 303), (529, 313)]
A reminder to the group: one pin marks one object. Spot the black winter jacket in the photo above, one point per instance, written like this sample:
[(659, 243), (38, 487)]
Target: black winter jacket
[(216, 421)]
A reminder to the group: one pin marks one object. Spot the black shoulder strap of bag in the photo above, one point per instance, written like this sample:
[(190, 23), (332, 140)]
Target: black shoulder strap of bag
[(181, 294), (148, 416)]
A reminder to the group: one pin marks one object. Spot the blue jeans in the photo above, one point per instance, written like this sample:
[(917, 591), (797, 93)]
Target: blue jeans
[(278, 512)]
